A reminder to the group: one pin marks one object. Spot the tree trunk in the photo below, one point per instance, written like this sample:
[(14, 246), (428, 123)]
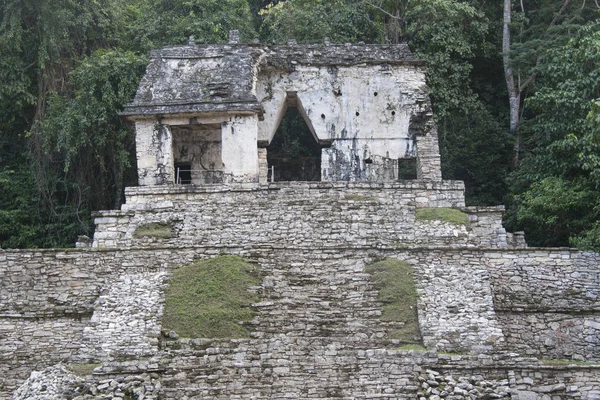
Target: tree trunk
[(514, 93)]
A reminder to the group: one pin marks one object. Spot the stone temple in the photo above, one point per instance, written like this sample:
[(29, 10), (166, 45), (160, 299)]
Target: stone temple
[(495, 318), (213, 110)]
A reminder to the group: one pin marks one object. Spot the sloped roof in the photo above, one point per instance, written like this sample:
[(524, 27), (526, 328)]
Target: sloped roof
[(217, 78)]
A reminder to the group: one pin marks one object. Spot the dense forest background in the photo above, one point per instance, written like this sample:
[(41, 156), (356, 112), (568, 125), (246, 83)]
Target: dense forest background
[(515, 87)]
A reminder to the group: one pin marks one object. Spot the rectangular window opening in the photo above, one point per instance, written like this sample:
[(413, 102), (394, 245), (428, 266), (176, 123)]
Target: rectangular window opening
[(183, 174)]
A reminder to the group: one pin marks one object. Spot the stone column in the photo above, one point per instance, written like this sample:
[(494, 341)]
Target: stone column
[(428, 157), (154, 151), (422, 128), (263, 166), (239, 150)]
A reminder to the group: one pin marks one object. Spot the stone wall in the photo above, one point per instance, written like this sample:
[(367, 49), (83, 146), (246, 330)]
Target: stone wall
[(550, 280), (303, 214), (548, 302), (28, 344), (126, 319), (305, 295), (525, 378), (560, 335)]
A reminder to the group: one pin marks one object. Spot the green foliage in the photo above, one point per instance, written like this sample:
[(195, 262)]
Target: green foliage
[(557, 189), (85, 120), (554, 209), (394, 280), (447, 34), (19, 225), (542, 26), (450, 215), (475, 149), (155, 229), (310, 21), (209, 299), (86, 149), (160, 22), (411, 347)]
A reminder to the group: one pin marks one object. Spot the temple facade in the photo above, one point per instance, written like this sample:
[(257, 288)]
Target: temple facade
[(205, 114)]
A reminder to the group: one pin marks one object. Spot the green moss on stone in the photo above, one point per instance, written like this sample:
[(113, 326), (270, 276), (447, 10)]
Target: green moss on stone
[(394, 280), (357, 197), (210, 298), (411, 346), (155, 229), (568, 362), (450, 215)]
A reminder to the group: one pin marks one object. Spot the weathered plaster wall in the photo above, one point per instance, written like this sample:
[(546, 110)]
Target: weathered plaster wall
[(362, 111), (201, 148), (154, 151), (367, 105), (240, 150)]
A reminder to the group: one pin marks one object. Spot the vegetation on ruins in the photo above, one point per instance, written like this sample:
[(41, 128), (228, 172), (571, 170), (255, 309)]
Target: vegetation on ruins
[(396, 290), (160, 230), (450, 215), (68, 67), (211, 298)]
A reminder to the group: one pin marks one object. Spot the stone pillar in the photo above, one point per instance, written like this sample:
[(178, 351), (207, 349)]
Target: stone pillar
[(263, 166), (422, 128), (154, 151), (239, 150), (428, 157)]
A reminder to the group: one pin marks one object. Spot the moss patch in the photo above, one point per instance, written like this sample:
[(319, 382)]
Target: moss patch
[(210, 298), (568, 362), (450, 215), (83, 369), (411, 346), (357, 197), (160, 230), (394, 280)]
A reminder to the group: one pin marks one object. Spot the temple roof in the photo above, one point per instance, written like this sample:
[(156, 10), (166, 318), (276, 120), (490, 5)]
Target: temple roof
[(218, 78)]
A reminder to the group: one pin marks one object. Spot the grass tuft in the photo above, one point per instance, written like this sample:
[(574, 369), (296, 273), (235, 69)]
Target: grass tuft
[(357, 197), (155, 229), (394, 280), (568, 362), (411, 346), (450, 215), (210, 298)]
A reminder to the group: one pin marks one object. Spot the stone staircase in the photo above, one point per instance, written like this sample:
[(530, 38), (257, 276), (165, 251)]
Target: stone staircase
[(317, 335), (287, 367)]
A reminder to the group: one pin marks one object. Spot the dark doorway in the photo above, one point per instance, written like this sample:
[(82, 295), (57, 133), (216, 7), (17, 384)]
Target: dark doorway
[(407, 169), (294, 152)]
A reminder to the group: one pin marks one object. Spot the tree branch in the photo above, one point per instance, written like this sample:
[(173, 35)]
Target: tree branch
[(564, 6), (380, 8)]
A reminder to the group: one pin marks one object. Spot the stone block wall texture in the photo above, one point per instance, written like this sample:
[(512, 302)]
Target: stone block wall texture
[(317, 332), (126, 319), (318, 309), (305, 215), (548, 302)]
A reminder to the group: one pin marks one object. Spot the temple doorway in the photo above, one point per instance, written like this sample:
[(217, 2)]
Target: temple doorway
[(294, 154)]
